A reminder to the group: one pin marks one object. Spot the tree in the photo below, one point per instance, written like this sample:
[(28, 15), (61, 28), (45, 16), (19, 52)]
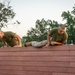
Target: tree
[(41, 29), (70, 24), (6, 14)]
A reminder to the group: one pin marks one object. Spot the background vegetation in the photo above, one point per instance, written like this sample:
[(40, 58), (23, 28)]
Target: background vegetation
[(42, 27)]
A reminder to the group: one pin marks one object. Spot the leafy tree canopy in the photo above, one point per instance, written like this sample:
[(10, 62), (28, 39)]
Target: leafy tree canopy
[(69, 16), (42, 27), (6, 14)]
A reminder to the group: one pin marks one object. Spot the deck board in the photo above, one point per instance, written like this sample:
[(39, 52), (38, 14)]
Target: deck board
[(54, 60)]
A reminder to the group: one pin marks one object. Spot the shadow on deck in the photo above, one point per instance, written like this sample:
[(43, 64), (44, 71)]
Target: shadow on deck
[(54, 60)]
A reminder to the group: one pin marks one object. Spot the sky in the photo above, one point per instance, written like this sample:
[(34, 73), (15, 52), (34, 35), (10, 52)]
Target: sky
[(28, 11)]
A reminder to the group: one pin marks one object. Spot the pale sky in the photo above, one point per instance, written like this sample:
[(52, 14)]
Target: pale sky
[(28, 11)]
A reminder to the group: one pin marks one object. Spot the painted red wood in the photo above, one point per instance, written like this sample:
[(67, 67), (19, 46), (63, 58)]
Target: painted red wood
[(54, 60)]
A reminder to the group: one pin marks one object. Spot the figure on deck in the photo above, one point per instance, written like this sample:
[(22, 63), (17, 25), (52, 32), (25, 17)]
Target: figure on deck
[(56, 36), (11, 39)]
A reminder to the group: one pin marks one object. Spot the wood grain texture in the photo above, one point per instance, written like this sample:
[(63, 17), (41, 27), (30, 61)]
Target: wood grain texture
[(54, 60)]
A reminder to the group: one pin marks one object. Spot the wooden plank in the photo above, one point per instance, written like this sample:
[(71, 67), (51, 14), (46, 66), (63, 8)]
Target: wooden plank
[(54, 60), (63, 74), (33, 64), (38, 58), (44, 53), (13, 72), (72, 53), (38, 69)]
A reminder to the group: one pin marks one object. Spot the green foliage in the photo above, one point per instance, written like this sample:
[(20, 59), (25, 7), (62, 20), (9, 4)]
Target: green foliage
[(42, 27), (1, 43), (6, 14), (40, 31), (70, 24)]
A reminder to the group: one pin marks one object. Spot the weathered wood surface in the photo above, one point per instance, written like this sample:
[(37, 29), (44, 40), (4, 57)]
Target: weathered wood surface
[(54, 60)]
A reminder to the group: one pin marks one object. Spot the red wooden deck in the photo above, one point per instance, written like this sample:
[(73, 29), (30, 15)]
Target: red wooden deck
[(54, 60)]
